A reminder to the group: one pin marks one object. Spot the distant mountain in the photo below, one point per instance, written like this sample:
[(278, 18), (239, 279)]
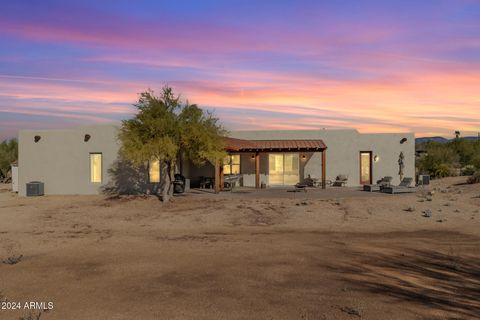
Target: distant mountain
[(428, 139), (439, 139)]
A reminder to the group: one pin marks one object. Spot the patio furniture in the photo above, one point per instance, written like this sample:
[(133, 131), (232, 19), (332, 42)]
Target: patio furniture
[(206, 182), (230, 181), (340, 181), (384, 182), (405, 186), (301, 187), (312, 182)]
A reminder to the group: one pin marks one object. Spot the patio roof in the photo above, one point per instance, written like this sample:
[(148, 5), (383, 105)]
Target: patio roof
[(241, 145)]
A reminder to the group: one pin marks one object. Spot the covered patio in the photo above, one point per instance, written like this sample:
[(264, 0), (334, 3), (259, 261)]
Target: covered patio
[(258, 147)]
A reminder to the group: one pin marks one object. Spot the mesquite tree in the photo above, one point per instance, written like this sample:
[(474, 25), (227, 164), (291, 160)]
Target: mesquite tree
[(167, 130)]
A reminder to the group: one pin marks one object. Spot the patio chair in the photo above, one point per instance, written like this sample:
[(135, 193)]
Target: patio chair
[(384, 182), (207, 182), (230, 181), (340, 181), (405, 186), (301, 187)]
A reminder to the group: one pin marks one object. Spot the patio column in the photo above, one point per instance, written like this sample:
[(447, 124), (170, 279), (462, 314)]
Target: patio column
[(217, 176), (257, 170), (324, 169), (222, 178)]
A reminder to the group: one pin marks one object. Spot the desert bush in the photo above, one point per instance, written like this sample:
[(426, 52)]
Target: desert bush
[(442, 170), (447, 159), (475, 178), (8, 154), (468, 170)]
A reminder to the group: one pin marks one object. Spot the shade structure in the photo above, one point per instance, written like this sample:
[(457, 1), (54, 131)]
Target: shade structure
[(241, 145)]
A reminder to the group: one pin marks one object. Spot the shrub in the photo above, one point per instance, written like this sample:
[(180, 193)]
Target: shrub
[(468, 170), (442, 170), (475, 178)]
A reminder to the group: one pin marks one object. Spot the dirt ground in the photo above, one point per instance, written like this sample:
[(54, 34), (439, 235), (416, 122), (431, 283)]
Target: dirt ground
[(336, 255)]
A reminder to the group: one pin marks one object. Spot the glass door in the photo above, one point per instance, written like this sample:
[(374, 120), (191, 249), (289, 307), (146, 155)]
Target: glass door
[(283, 168), (275, 169), (365, 167)]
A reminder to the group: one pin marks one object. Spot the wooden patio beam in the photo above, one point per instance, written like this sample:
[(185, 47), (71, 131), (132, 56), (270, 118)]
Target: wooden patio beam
[(257, 170)]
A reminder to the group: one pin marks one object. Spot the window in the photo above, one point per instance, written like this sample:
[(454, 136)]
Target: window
[(154, 171), (231, 164), (96, 167)]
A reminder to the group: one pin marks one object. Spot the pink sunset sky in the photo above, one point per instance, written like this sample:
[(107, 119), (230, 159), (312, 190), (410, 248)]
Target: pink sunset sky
[(376, 66)]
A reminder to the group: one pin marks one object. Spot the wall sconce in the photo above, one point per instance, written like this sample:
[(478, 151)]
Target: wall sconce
[(252, 156), (87, 137), (376, 158), (304, 157), (36, 138), (403, 140)]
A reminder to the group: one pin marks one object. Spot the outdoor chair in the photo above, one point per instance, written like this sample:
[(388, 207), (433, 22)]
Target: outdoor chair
[(206, 182), (382, 183), (230, 181), (301, 187), (340, 181), (405, 186)]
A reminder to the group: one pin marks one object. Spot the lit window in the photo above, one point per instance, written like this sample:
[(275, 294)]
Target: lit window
[(96, 167), (231, 164), (154, 171)]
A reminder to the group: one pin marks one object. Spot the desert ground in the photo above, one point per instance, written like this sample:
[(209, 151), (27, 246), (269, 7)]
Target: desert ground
[(272, 254)]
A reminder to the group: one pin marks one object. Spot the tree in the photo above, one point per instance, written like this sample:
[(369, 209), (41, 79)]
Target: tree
[(8, 155), (168, 130)]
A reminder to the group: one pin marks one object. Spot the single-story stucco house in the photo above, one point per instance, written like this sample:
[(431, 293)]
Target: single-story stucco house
[(85, 160)]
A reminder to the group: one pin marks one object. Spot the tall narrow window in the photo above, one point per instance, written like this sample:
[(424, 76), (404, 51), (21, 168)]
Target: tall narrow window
[(96, 167), (231, 164), (154, 171)]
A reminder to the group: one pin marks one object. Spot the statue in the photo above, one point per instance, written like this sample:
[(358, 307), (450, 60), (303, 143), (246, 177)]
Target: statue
[(401, 165)]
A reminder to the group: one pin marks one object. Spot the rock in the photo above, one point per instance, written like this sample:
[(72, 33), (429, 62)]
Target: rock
[(429, 199), (448, 204), (441, 220), (351, 311), (410, 209), (427, 213), (431, 193), (456, 210)]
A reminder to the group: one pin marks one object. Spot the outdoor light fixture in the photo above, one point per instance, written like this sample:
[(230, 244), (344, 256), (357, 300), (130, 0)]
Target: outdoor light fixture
[(376, 158), (87, 137), (36, 138), (253, 156), (304, 156), (403, 140)]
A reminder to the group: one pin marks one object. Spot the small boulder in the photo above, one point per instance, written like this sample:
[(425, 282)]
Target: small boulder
[(427, 213)]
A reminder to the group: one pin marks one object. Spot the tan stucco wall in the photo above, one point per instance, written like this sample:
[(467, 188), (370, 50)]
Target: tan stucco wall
[(61, 159)]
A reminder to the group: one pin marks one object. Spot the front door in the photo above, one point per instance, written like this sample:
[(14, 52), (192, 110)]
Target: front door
[(366, 167), (283, 169)]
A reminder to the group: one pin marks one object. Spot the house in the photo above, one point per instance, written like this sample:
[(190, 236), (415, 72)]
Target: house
[(85, 160)]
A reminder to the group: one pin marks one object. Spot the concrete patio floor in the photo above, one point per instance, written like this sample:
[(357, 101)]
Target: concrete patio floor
[(290, 193)]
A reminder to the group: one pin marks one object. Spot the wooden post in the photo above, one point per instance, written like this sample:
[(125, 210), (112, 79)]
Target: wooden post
[(324, 169), (257, 170), (217, 176), (222, 178)]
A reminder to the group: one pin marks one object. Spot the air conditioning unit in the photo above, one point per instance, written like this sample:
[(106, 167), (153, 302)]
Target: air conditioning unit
[(35, 188), (423, 180)]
